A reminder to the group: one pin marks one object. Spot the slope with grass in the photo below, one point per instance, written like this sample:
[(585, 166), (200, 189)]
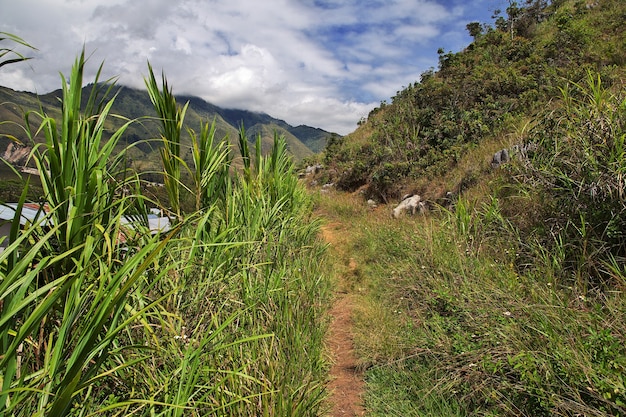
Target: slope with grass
[(478, 98), (507, 297), (446, 324)]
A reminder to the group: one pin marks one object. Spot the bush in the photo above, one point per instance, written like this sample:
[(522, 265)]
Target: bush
[(580, 161)]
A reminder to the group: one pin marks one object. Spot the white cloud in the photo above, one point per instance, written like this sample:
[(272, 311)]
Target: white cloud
[(17, 79), (324, 63), (333, 113)]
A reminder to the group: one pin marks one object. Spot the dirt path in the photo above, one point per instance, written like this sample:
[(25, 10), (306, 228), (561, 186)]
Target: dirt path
[(346, 386)]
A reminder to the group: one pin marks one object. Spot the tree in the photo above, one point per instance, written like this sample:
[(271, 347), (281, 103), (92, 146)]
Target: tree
[(513, 12), (520, 19), (475, 29)]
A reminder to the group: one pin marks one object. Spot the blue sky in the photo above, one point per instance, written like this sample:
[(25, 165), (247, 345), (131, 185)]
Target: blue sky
[(323, 63)]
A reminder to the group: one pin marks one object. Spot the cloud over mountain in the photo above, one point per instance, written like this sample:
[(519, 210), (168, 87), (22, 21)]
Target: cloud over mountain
[(317, 62)]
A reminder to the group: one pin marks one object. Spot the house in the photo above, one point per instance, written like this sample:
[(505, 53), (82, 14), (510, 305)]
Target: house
[(33, 213)]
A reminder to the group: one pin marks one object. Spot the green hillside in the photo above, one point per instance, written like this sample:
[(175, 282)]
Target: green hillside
[(507, 297), (479, 97), (302, 141)]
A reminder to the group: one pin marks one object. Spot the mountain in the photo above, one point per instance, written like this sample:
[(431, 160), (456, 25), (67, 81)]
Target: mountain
[(302, 141)]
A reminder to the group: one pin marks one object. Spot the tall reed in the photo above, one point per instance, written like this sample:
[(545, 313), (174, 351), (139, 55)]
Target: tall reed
[(222, 315), (9, 55), (171, 117), (210, 172), (67, 286)]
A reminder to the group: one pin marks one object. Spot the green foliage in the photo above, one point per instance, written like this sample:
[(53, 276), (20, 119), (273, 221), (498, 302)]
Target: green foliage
[(171, 118), (580, 162), (222, 315), (507, 74), (8, 55), (78, 169), (475, 29), (448, 324), (67, 265), (145, 134), (211, 163)]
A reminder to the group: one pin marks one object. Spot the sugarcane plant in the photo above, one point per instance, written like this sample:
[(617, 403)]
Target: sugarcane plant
[(66, 282), (220, 315)]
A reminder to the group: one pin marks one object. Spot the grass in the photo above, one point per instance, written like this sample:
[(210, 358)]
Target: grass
[(450, 325), (221, 315), (461, 312), (510, 302)]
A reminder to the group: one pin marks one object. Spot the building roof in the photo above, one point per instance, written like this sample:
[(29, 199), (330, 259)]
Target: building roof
[(34, 212), (31, 213)]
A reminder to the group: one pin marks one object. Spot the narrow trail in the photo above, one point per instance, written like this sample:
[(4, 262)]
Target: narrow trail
[(346, 385)]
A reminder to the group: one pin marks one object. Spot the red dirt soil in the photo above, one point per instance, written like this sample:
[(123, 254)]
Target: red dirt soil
[(346, 385)]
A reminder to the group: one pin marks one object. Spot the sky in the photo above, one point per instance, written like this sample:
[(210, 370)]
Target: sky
[(321, 63)]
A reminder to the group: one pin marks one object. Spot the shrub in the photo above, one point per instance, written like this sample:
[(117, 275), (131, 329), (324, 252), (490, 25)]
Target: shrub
[(580, 161)]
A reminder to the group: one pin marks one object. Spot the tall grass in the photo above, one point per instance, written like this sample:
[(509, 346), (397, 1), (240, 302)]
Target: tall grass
[(9, 55), (67, 280), (171, 117), (276, 289), (80, 175), (579, 163), (211, 167), (222, 315), (450, 324)]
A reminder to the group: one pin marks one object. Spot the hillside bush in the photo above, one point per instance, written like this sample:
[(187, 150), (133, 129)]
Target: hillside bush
[(508, 73), (579, 163)]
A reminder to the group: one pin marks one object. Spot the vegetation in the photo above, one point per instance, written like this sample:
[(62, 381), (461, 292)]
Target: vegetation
[(576, 170), (220, 315), (508, 298), (477, 96), (451, 322), (9, 55)]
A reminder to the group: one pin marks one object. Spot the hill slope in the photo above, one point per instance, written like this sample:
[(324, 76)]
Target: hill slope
[(302, 141), (418, 141), (508, 298)]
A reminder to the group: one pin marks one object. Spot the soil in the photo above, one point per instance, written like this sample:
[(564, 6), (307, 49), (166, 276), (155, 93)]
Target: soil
[(346, 382)]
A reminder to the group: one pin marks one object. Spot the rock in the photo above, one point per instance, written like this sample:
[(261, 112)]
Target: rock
[(313, 169), (520, 152), (500, 157), (16, 154), (410, 205)]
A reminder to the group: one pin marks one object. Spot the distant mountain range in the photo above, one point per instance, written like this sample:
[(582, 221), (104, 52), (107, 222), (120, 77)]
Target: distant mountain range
[(302, 141)]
